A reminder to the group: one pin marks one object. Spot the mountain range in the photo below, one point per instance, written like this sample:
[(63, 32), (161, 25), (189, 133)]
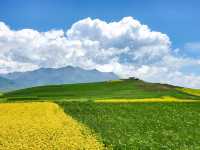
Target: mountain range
[(51, 76)]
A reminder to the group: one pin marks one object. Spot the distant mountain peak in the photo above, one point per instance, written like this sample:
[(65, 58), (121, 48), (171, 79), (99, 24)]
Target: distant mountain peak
[(64, 75)]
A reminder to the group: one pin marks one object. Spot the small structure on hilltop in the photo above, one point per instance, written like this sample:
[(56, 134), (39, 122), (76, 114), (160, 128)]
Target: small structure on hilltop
[(133, 78)]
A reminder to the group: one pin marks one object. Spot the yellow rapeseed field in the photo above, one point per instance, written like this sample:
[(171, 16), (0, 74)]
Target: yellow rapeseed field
[(190, 91), (42, 126), (145, 100)]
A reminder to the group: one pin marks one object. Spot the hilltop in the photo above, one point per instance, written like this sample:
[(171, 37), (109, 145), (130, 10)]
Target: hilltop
[(126, 89)]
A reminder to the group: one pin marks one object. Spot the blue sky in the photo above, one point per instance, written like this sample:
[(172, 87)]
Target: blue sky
[(179, 19), (155, 40)]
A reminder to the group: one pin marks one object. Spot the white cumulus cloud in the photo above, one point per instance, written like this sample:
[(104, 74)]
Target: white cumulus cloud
[(127, 48)]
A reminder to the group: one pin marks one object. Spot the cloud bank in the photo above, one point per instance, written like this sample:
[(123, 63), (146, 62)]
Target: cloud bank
[(127, 48)]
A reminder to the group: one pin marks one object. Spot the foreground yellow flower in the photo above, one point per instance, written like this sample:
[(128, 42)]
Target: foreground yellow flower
[(42, 126)]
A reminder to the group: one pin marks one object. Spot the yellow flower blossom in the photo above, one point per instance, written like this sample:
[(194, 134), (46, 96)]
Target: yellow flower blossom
[(145, 100)]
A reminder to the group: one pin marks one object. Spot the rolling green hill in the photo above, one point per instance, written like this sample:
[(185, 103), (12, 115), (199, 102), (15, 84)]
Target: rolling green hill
[(169, 125), (126, 89)]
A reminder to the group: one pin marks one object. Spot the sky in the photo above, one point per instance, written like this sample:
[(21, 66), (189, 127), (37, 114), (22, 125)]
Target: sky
[(154, 40)]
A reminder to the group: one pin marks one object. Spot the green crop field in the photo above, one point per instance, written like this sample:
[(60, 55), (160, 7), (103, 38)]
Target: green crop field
[(143, 126)]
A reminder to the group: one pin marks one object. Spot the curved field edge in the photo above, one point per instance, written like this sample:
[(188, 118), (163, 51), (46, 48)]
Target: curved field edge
[(44, 125)]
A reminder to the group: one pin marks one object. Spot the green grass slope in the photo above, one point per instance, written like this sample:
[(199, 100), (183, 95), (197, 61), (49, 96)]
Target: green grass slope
[(129, 88)]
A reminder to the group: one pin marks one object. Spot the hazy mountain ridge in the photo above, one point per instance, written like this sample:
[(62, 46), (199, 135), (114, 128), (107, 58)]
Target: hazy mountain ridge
[(6, 84), (48, 76)]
